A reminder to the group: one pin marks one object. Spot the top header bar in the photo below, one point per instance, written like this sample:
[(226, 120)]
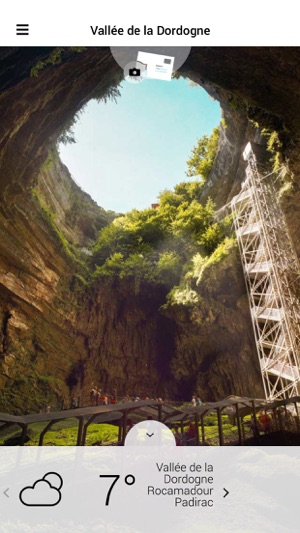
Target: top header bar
[(121, 23)]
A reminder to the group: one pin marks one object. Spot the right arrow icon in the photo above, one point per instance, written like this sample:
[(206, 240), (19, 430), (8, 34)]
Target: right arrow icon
[(226, 493)]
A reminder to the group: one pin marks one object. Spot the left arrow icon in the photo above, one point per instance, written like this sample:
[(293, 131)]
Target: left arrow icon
[(5, 492)]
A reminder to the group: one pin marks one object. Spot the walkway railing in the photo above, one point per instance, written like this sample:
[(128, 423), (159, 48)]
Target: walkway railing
[(241, 416)]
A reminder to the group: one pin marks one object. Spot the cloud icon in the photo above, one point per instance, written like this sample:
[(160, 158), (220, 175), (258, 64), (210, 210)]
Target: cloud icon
[(44, 492)]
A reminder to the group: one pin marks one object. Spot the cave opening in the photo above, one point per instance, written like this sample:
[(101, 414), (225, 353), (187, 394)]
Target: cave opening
[(44, 257), (159, 123), (126, 149)]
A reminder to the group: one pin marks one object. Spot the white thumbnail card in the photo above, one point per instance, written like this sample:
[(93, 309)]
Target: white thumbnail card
[(158, 66)]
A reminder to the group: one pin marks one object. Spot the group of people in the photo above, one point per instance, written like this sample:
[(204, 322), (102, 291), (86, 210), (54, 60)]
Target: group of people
[(188, 437), (265, 423), (262, 423), (97, 397), (138, 399), (196, 401)]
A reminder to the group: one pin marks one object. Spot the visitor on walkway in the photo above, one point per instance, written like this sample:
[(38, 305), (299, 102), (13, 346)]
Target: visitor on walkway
[(254, 427), (126, 399), (191, 435), (98, 397), (198, 401), (105, 398), (265, 422), (194, 401), (93, 393), (178, 436)]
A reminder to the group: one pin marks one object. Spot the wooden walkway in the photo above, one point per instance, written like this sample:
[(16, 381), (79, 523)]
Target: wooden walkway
[(237, 408), (233, 406), (88, 415)]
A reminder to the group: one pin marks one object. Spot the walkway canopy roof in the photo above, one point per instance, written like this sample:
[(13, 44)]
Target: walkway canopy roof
[(149, 408)]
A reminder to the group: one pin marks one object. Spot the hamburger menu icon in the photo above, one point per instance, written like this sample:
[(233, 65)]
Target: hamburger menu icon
[(45, 492)]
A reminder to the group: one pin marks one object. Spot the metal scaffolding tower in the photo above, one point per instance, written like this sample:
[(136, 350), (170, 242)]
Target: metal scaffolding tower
[(271, 271)]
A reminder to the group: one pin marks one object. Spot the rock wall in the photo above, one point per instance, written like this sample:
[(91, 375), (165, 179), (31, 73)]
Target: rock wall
[(58, 334), (215, 351), (77, 215), (35, 330), (129, 342)]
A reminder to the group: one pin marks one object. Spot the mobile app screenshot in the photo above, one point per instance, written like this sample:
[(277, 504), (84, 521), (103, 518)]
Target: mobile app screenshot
[(149, 268)]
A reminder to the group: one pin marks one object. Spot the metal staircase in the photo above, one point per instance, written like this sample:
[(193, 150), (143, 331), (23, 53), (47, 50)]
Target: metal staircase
[(271, 271)]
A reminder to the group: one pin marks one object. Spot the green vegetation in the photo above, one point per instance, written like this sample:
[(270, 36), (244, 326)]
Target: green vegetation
[(103, 92), (200, 264), (185, 293), (274, 146), (50, 217), (230, 430), (33, 389), (67, 135), (65, 434), (55, 58), (203, 155), (165, 246), (97, 433), (171, 244), (155, 245)]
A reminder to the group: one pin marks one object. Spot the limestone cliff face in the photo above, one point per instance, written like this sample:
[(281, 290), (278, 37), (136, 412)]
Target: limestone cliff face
[(44, 242), (129, 342), (215, 350), (58, 334), (77, 215), (34, 327)]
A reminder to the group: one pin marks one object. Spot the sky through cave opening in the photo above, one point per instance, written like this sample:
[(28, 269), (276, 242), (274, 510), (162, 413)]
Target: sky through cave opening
[(126, 152)]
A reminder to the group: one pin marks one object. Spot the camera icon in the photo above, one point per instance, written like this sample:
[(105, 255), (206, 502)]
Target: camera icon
[(134, 72)]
